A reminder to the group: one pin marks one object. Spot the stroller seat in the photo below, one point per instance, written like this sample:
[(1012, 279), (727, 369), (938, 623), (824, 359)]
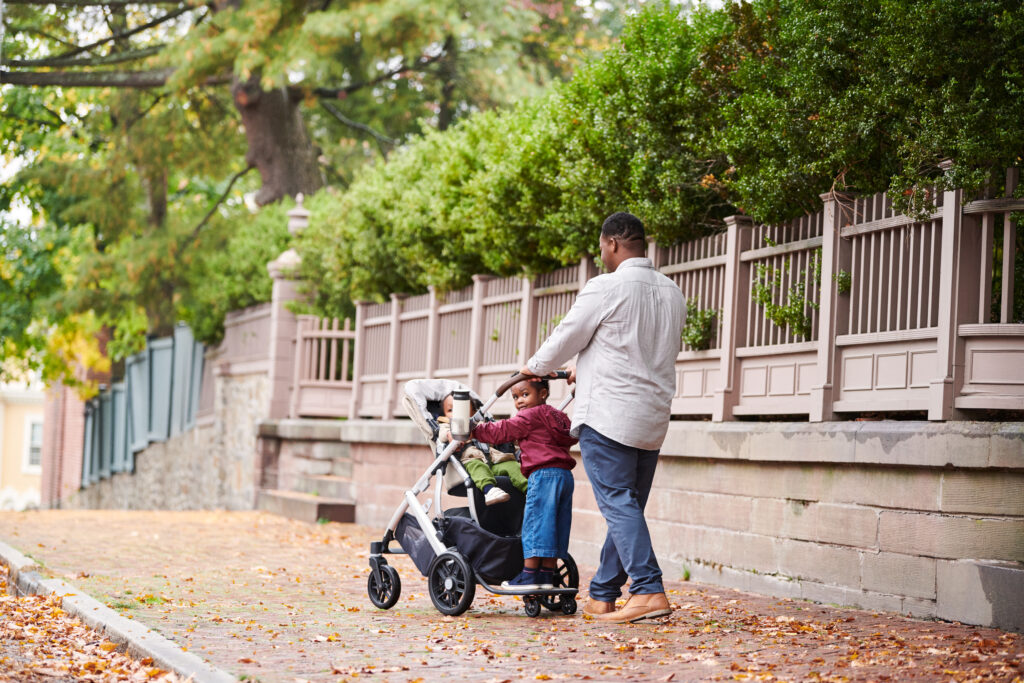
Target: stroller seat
[(423, 401)]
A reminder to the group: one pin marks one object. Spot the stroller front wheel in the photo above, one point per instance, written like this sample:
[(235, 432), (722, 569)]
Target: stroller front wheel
[(451, 583), (384, 593)]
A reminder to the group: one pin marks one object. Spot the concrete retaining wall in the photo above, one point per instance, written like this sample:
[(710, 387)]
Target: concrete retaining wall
[(920, 518)]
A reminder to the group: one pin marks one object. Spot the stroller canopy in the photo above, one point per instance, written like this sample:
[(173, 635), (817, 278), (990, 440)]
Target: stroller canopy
[(423, 400)]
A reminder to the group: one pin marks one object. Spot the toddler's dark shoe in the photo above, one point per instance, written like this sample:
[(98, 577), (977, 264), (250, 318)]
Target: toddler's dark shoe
[(524, 581), (544, 579)]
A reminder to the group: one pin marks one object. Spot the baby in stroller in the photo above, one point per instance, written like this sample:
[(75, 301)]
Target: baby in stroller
[(483, 465)]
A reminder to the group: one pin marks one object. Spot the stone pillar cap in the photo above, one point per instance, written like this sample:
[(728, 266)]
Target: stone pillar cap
[(298, 218)]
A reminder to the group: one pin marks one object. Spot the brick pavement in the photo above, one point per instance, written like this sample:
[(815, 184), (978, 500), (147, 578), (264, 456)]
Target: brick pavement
[(274, 600)]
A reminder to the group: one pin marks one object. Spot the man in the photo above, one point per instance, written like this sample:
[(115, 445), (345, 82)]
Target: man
[(626, 326)]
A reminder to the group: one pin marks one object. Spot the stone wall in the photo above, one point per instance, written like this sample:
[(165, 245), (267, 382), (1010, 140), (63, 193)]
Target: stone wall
[(919, 518), (208, 467)]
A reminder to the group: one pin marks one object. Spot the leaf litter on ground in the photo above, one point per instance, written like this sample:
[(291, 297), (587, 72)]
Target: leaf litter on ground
[(41, 643)]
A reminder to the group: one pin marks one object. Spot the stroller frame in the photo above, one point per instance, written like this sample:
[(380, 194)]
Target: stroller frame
[(451, 579)]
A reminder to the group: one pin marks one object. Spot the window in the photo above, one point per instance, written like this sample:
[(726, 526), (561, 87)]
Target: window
[(34, 451)]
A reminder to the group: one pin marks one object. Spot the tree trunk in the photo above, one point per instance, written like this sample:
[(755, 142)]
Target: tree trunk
[(278, 144), (449, 75)]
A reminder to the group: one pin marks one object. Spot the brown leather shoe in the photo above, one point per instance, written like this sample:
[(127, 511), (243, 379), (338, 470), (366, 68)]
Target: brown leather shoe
[(597, 607), (638, 608)]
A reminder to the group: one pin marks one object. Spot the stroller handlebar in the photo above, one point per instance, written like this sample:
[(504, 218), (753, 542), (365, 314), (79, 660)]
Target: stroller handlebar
[(519, 377)]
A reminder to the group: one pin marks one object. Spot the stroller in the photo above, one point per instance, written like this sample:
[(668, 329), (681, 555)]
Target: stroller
[(457, 549)]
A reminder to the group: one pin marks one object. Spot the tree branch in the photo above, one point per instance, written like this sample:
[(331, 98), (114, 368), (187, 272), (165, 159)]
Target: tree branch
[(39, 32), (89, 79), (99, 79), (220, 200), (130, 32), (359, 126), (24, 119), (141, 115), (116, 58), (339, 93), (92, 3)]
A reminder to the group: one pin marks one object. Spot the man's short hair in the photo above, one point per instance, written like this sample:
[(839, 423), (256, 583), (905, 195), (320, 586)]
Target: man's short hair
[(623, 226)]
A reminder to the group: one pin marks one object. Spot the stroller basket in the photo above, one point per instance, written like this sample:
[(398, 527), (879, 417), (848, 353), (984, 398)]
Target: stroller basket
[(494, 558)]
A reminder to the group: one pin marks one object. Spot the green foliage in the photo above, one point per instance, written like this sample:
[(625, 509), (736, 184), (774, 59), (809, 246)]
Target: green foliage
[(757, 107), (865, 96), (233, 275), (523, 190), (843, 280), (134, 178), (701, 325), (760, 107), (793, 312)]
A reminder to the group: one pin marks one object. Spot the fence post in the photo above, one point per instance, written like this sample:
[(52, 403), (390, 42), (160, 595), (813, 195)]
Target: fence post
[(954, 258), (358, 348), (588, 269), (394, 341), (735, 303), (301, 358), (433, 340), (283, 323), (1009, 251), (655, 253), (476, 332), (527, 323), (834, 308)]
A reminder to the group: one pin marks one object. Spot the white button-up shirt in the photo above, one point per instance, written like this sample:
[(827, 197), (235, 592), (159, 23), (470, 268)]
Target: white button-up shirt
[(627, 328)]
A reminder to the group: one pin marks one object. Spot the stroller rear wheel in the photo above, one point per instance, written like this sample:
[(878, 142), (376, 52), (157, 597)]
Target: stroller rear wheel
[(451, 583), (566, 575), (384, 593)]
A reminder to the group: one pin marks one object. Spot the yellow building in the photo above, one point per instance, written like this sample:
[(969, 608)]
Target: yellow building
[(21, 445)]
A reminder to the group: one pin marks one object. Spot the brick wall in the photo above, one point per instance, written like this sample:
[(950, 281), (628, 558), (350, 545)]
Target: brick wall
[(63, 427)]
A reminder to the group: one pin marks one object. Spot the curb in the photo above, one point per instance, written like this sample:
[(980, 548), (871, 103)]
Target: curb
[(139, 641)]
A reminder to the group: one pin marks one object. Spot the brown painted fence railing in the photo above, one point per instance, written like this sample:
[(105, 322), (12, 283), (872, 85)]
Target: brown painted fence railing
[(323, 367), (901, 315)]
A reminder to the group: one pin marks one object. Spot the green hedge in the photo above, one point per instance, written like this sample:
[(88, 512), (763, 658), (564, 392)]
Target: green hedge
[(756, 107)]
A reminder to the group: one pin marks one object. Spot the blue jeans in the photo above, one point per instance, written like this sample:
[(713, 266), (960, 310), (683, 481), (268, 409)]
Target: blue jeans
[(547, 518), (621, 477)]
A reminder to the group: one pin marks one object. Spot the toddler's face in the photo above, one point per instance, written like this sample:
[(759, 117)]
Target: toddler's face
[(448, 405), (527, 394)]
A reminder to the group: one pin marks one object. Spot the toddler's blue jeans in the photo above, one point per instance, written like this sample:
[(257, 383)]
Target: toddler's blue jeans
[(547, 518)]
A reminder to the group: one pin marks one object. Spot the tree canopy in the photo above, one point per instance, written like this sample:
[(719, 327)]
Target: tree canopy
[(138, 126), (494, 162)]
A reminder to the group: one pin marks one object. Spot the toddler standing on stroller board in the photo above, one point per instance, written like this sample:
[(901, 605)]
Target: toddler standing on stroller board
[(543, 435)]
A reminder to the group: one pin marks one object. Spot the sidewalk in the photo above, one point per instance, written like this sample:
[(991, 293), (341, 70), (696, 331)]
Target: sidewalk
[(270, 599)]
